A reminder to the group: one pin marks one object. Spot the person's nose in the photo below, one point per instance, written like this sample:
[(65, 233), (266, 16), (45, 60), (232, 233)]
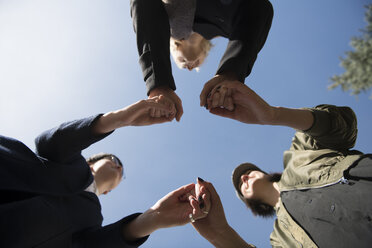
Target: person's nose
[(190, 67)]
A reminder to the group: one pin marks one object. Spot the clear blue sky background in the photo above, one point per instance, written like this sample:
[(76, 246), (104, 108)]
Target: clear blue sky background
[(63, 60)]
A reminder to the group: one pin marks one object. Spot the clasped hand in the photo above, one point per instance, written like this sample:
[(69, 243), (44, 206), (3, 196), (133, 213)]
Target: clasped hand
[(223, 96), (186, 204)]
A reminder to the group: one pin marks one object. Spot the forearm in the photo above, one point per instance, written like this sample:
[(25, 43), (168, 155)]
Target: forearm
[(67, 140), (107, 123), (151, 24), (140, 227), (247, 39), (299, 119), (228, 239)]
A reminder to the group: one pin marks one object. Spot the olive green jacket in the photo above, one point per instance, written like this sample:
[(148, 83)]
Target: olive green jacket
[(317, 157)]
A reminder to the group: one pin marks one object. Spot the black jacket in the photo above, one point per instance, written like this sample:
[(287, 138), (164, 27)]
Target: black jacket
[(246, 23), (43, 202)]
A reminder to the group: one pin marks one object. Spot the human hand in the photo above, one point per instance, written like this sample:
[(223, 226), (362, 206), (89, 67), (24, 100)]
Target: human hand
[(235, 100), (208, 86), (215, 222), (171, 98), (175, 208), (200, 202), (144, 112)]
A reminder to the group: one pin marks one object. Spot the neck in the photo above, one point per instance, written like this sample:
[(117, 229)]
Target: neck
[(272, 195)]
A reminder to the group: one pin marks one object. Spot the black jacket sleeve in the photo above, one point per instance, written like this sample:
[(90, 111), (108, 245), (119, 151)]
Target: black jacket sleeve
[(65, 142), (250, 30), (151, 24), (107, 236)]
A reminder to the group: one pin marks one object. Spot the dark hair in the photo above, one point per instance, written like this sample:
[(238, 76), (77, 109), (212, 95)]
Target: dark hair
[(96, 157), (258, 207)]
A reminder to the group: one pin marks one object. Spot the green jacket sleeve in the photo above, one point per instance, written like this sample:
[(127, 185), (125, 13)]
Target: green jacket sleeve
[(333, 128)]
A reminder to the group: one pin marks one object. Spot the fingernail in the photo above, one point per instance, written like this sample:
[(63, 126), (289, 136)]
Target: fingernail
[(200, 179)]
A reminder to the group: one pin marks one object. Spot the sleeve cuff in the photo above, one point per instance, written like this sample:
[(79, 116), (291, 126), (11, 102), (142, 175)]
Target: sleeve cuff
[(137, 242), (321, 124)]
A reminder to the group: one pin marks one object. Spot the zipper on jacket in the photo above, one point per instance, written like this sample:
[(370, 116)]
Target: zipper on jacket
[(342, 180)]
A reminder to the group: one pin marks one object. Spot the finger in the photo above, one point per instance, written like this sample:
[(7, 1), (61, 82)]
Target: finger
[(229, 104), (196, 211), (223, 112), (208, 105), (204, 94), (183, 190), (229, 91), (215, 99), (158, 120), (215, 89), (179, 109), (212, 191), (152, 112), (190, 197), (207, 202), (195, 207), (163, 113), (222, 92), (158, 105), (208, 86)]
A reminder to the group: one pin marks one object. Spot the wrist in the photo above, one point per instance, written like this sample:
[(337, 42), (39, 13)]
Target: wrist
[(216, 235), (159, 90), (228, 76), (142, 226), (275, 116), (222, 236)]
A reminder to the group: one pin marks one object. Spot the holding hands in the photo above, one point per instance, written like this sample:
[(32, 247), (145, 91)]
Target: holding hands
[(151, 111), (171, 99), (177, 208), (235, 100)]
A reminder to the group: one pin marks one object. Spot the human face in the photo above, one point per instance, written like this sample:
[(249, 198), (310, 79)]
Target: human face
[(107, 173), (252, 184), (188, 53)]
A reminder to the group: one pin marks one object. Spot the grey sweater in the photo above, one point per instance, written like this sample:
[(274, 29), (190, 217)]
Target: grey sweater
[(181, 17)]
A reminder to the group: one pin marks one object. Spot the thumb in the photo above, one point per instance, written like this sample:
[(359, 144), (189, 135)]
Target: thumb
[(222, 112)]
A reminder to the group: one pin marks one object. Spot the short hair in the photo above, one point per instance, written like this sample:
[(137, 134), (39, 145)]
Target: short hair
[(205, 46), (96, 157), (258, 207)]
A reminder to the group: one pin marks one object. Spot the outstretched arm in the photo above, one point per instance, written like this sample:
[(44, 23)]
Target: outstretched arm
[(234, 100), (65, 142), (251, 28), (172, 210), (328, 126), (214, 227), (151, 24), (151, 111)]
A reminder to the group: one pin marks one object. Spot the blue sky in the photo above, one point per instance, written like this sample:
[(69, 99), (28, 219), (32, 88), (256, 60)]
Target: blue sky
[(63, 60)]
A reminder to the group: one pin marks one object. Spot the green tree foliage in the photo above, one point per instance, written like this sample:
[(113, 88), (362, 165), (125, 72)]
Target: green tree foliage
[(358, 63)]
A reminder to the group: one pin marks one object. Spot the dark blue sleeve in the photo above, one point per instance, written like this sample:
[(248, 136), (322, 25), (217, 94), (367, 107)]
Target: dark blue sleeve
[(65, 142), (108, 236)]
